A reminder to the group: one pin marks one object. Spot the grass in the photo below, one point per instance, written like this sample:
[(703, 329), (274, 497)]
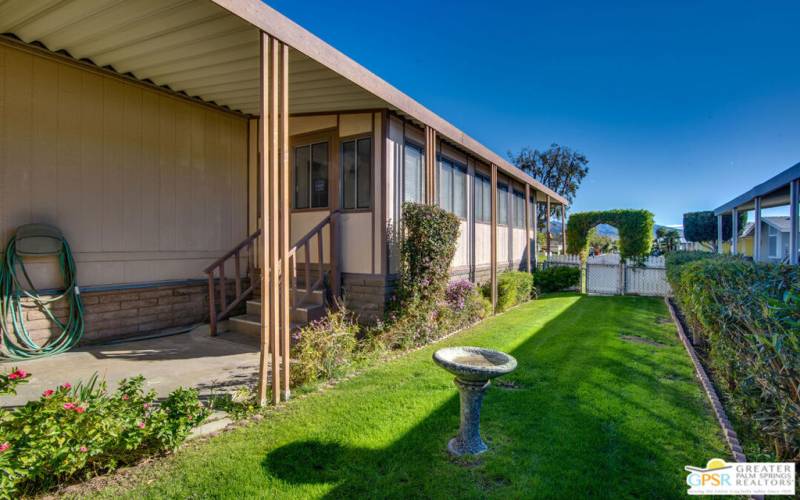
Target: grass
[(589, 415)]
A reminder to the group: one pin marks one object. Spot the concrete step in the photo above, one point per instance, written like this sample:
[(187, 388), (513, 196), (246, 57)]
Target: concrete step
[(304, 313), (250, 324)]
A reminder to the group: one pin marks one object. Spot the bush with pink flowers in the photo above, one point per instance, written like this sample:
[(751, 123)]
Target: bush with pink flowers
[(73, 433)]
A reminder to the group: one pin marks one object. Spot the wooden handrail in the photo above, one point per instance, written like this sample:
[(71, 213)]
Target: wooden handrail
[(218, 267)]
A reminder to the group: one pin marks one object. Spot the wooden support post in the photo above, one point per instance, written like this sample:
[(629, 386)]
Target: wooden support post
[(528, 228), (535, 205), (564, 229), (719, 234), (430, 165), (264, 242), (734, 232), (493, 239), (274, 165), (794, 223), (547, 229), (757, 230), (283, 165)]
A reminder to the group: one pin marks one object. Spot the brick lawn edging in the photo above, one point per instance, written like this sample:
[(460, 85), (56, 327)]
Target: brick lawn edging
[(727, 430)]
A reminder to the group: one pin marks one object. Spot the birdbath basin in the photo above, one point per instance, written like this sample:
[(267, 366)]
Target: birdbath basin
[(474, 367)]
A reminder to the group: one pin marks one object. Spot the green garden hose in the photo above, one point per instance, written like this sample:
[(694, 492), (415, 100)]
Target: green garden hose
[(15, 299)]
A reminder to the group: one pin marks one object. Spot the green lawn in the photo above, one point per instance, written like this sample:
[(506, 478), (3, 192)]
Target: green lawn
[(591, 415)]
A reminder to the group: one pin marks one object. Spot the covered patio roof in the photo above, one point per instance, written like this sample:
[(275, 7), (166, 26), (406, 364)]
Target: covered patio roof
[(209, 50), (773, 193)]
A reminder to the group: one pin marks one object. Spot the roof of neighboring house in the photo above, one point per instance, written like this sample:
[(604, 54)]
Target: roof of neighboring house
[(781, 223), (777, 186)]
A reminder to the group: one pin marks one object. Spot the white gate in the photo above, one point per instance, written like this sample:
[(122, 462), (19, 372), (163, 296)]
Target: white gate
[(607, 275)]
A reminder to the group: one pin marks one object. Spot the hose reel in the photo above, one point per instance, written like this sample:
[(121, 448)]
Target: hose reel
[(37, 241)]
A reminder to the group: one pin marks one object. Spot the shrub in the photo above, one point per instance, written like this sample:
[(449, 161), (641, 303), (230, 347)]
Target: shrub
[(702, 226), (556, 278), (77, 432), (324, 348), (466, 303), (419, 314), (746, 317), (513, 287)]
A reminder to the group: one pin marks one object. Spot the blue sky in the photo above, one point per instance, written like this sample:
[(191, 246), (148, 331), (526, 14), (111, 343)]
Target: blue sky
[(679, 106)]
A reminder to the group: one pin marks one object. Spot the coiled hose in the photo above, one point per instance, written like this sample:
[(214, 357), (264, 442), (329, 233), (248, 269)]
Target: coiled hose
[(16, 299)]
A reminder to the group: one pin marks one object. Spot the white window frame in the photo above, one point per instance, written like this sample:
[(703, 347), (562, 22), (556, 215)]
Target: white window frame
[(773, 233)]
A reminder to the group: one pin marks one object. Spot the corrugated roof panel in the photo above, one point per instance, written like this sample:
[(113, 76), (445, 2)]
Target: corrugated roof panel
[(191, 46)]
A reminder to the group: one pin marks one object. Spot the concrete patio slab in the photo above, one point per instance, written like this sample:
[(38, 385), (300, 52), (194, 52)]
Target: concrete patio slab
[(191, 359)]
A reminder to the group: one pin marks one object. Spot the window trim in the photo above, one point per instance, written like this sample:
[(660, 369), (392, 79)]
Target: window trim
[(308, 139), (456, 165), (340, 158)]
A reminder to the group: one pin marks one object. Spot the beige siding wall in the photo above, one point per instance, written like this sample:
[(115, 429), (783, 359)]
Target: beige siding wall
[(145, 186)]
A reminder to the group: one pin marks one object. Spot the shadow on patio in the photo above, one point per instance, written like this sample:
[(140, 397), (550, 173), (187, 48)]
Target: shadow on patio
[(191, 359)]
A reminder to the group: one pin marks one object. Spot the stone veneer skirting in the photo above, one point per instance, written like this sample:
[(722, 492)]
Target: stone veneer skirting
[(367, 294), (130, 311)]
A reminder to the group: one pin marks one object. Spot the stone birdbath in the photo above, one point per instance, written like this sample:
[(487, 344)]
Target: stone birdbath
[(474, 367)]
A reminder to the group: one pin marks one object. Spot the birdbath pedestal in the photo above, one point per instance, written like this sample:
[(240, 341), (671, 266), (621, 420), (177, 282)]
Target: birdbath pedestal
[(473, 367)]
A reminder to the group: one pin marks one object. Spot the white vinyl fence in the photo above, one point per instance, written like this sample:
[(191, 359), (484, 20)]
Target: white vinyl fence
[(608, 275)]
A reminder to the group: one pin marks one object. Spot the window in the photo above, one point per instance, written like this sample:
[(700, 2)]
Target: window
[(311, 176), (502, 205), (413, 174), (357, 174), (483, 199), (453, 187), (772, 239), (519, 210)]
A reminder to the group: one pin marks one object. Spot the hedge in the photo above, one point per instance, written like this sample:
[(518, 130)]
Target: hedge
[(746, 318), (556, 278), (635, 231)]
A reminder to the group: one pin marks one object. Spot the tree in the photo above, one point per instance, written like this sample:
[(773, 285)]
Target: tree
[(667, 240), (559, 168), (701, 227)]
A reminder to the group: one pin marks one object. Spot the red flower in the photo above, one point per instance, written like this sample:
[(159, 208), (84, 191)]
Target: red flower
[(17, 374), (66, 385), (69, 406), (4, 446), (84, 449), (141, 425), (47, 393), (124, 397), (80, 409)]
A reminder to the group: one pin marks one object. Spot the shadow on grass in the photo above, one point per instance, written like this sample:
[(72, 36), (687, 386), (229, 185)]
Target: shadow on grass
[(589, 416)]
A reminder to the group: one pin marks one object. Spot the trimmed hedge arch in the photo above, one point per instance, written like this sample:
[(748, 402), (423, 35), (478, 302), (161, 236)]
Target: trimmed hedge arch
[(635, 231)]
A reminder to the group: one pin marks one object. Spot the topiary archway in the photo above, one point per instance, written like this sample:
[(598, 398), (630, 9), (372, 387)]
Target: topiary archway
[(635, 233)]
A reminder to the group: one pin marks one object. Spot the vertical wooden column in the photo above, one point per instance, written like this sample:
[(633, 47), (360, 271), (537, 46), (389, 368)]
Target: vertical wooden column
[(794, 223), (734, 232), (547, 228), (430, 165), (283, 165), (493, 239), (274, 167), (757, 230), (535, 205), (564, 229), (719, 233), (528, 227)]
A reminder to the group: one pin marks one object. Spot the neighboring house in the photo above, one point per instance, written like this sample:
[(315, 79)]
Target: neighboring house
[(775, 242), (155, 134)]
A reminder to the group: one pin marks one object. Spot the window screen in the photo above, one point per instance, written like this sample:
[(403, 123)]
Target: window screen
[(453, 187), (311, 176), (357, 173), (502, 205), (413, 174)]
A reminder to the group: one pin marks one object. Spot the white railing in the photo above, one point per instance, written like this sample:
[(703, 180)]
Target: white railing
[(607, 275)]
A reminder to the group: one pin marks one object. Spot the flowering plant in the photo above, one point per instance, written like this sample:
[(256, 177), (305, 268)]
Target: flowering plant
[(9, 381), (79, 431)]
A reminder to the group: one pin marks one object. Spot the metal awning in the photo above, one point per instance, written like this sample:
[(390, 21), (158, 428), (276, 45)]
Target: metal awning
[(773, 193), (209, 50)]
